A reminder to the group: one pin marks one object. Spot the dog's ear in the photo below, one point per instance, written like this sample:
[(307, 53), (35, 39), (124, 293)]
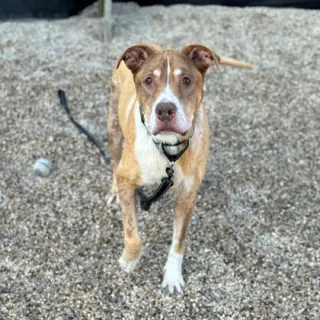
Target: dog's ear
[(135, 56), (201, 56)]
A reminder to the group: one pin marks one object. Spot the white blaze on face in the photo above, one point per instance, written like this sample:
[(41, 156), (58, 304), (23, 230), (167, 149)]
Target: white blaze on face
[(157, 72), (168, 70), (167, 95)]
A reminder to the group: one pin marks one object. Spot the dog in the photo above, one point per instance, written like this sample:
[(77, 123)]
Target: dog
[(156, 123)]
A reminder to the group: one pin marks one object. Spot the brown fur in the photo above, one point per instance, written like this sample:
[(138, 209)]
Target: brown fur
[(128, 88)]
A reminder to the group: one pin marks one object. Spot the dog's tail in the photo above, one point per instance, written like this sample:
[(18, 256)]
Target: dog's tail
[(236, 63)]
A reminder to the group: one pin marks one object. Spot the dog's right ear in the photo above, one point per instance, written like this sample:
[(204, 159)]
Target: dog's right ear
[(135, 56)]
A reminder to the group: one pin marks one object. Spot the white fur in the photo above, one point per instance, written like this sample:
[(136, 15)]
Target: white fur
[(128, 266), (167, 95), (177, 72), (187, 184), (166, 137), (173, 278), (152, 162), (157, 72)]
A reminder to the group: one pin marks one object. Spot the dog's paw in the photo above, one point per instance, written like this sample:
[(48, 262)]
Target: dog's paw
[(112, 199), (173, 278), (128, 266)]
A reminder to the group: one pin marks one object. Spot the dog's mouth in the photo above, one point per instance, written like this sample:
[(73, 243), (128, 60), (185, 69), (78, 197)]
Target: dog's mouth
[(169, 130), (174, 132), (174, 127), (172, 137)]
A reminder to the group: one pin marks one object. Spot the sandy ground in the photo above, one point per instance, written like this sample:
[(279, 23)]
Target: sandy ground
[(253, 247)]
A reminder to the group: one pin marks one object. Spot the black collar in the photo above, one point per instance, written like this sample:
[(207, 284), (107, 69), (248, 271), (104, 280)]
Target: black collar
[(174, 157)]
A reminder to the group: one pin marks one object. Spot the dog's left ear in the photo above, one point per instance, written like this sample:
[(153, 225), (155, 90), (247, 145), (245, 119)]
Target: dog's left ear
[(201, 56), (135, 56)]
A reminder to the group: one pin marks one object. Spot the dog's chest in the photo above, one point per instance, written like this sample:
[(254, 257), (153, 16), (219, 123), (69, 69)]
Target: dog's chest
[(152, 162)]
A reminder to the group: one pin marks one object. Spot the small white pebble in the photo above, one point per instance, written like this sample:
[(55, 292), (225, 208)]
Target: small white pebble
[(42, 167)]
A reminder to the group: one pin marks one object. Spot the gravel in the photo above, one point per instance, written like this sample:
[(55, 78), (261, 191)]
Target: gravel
[(253, 247)]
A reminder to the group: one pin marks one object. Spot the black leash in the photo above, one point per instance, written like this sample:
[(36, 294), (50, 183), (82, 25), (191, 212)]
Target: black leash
[(64, 103), (166, 182)]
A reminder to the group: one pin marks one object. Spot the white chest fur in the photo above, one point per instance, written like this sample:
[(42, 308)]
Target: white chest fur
[(151, 160)]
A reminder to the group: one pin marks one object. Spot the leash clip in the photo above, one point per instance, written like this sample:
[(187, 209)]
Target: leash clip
[(170, 171)]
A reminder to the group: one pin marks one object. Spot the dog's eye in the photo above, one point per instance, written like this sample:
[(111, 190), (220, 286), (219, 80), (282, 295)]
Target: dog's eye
[(148, 81), (186, 81)]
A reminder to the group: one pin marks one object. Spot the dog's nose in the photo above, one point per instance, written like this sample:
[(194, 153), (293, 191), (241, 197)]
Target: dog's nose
[(166, 111)]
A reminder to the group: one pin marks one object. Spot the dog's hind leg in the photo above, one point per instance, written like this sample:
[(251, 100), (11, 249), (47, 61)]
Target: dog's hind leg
[(115, 138)]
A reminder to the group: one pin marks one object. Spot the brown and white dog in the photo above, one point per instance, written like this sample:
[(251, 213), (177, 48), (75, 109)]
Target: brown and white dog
[(156, 98)]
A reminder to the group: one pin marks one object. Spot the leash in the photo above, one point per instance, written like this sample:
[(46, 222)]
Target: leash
[(64, 103), (166, 182)]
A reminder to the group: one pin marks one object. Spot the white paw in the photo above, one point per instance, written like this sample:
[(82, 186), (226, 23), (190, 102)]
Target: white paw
[(112, 200), (128, 266), (173, 273)]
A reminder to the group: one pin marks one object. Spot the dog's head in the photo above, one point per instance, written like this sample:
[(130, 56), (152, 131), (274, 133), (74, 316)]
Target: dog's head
[(169, 86)]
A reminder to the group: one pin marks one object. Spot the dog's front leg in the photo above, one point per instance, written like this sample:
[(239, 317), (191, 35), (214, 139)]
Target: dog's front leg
[(173, 269), (132, 242)]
